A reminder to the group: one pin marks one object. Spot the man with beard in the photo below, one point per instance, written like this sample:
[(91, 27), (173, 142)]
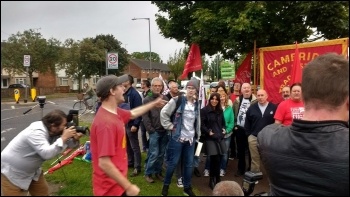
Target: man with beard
[(22, 158)]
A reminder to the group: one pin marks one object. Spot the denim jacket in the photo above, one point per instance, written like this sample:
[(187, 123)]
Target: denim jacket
[(175, 126)]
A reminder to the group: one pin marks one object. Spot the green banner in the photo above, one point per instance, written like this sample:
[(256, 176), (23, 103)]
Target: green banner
[(227, 70)]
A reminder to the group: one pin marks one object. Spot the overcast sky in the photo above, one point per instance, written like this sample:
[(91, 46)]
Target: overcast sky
[(78, 20)]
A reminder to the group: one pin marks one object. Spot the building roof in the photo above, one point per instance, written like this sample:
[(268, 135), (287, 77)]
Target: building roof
[(144, 64)]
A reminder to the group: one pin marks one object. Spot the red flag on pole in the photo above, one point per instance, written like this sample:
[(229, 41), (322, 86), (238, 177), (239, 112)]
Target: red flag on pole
[(296, 68), (243, 74), (193, 62)]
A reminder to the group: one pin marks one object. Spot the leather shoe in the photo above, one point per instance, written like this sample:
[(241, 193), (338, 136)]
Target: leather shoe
[(135, 172), (239, 173), (212, 182), (196, 172), (149, 179), (160, 177)]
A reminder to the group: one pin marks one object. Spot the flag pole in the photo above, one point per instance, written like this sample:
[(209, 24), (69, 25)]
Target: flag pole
[(254, 66)]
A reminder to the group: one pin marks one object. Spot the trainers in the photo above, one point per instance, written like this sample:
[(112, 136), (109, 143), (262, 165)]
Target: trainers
[(179, 182), (222, 172), (165, 190), (189, 192), (231, 158), (206, 172), (149, 179)]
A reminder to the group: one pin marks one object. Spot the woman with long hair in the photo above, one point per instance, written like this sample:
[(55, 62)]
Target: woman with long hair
[(229, 122), (213, 127)]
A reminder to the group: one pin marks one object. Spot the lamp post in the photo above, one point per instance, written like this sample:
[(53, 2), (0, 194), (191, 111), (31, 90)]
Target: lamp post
[(149, 39)]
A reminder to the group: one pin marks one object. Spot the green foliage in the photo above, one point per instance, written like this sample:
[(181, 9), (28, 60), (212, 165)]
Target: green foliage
[(145, 56), (44, 54), (230, 27), (111, 44), (177, 62)]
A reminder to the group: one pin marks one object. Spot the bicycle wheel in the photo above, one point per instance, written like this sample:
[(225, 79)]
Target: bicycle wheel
[(80, 105)]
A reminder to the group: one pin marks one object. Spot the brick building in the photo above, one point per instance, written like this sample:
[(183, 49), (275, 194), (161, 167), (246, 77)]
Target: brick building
[(141, 69)]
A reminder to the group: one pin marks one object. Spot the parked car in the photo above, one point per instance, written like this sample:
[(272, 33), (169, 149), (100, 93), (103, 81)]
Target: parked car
[(18, 85), (138, 85)]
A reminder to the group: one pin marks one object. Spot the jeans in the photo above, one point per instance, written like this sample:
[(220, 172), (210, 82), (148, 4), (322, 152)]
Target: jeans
[(224, 157), (133, 148), (175, 150), (157, 145)]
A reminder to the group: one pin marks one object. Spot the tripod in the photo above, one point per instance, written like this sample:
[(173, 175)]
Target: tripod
[(41, 100)]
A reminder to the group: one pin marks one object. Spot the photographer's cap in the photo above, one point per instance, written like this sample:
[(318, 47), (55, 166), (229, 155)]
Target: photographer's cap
[(107, 82)]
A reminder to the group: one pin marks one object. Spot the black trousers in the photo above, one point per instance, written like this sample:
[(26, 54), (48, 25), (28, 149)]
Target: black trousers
[(242, 149)]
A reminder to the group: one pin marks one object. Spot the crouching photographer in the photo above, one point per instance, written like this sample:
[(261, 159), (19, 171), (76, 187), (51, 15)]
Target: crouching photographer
[(22, 158)]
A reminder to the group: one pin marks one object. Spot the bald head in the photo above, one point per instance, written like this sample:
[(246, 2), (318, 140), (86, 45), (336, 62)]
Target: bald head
[(262, 97), (227, 188), (246, 90)]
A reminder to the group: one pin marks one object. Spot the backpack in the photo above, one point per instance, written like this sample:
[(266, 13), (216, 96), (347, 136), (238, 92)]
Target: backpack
[(178, 103)]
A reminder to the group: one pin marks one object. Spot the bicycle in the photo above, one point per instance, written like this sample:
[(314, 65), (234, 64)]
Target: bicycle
[(83, 105)]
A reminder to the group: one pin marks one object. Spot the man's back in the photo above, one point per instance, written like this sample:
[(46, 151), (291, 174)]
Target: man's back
[(307, 158)]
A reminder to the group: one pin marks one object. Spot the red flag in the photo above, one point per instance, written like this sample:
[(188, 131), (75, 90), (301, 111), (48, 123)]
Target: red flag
[(193, 62), (244, 71), (296, 68)]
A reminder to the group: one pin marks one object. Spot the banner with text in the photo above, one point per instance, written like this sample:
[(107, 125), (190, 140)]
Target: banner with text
[(227, 70), (276, 62)]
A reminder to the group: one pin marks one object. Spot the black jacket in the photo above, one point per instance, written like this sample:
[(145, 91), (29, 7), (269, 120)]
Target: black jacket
[(255, 121), (151, 119), (212, 120), (308, 158)]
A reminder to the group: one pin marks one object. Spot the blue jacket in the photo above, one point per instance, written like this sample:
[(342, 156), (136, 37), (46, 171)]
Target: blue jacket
[(133, 98), (175, 126)]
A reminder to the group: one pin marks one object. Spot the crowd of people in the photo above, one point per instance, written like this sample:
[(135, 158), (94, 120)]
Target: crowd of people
[(302, 142)]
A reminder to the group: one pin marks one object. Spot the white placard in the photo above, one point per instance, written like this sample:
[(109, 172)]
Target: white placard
[(199, 148), (112, 60), (26, 60)]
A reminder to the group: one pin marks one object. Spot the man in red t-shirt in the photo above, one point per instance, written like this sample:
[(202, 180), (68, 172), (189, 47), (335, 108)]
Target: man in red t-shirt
[(108, 140), (292, 108)]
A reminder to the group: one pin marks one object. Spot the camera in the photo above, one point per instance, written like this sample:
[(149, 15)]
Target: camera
[(249, 180), (79, 129), (73, 121), (41, 99)]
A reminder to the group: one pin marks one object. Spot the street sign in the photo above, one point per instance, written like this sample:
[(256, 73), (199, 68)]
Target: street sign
[(26, 60), (112, 60), (227, 70)]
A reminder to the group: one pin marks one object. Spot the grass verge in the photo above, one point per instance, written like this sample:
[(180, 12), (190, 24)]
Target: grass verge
[(76, 178)]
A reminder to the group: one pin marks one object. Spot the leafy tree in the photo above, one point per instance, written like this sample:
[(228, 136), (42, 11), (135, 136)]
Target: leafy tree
[(230, 27), (44, 54), (145, 56), (111, 44), (177, 62), (80, 57)]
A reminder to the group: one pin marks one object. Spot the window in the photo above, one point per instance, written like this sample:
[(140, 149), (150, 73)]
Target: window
[(63, 81), (95, 79), (21, 80), (4, 83)]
